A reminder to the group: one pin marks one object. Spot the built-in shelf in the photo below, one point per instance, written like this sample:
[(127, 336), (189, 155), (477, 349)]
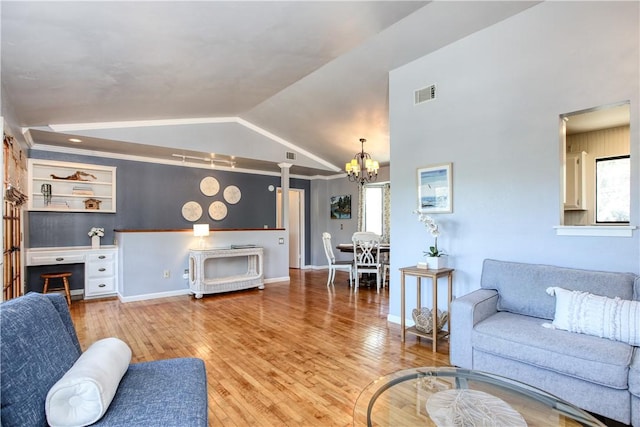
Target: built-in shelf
[(71, 187)]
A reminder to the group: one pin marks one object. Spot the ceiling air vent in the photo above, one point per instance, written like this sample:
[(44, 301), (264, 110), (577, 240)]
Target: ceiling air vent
[(290, 155), (425, 94)]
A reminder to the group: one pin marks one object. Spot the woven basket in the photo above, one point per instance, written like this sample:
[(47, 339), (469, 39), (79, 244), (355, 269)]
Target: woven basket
[(424, 321)]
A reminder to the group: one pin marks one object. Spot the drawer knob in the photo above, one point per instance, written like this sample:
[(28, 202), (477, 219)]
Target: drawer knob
[(102, 269), (101, 257), (101, 285), (59, 259)]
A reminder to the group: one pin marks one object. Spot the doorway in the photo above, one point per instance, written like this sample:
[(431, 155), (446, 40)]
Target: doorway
[(296, 225)]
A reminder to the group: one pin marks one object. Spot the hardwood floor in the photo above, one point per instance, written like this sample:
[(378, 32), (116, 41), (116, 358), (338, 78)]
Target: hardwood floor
[(295, 354)]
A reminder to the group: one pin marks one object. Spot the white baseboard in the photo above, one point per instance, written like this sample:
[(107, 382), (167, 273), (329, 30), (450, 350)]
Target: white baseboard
[(144, 297), (397, 320), (278, 279)]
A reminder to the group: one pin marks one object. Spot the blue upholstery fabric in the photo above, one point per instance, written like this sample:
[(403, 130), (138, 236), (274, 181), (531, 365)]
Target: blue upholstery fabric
[(468, 310), (498, 329), (586, 357), (36, 351), (168, 393), (38, 345), (522, 287)]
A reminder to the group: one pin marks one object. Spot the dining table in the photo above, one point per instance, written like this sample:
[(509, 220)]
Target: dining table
[(348, 247), (369, 279)]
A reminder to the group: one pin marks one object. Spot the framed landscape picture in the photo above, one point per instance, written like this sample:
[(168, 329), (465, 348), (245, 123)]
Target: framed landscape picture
[(341, 207), (435, 189)]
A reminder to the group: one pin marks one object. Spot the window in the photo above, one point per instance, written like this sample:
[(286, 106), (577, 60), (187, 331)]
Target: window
[(373, 209), (612, 189)]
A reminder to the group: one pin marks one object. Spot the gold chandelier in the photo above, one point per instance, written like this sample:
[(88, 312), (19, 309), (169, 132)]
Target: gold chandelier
[(362, 168)]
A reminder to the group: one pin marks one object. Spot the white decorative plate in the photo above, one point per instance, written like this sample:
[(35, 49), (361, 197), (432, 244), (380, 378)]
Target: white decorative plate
[(191, 211), (209, 186), (217, 210), (232, 194), (470, 408)]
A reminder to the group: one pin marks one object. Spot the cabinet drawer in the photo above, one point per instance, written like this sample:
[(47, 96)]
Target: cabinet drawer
[(100, 286), (107, 256), (59, 258), (99, 269)]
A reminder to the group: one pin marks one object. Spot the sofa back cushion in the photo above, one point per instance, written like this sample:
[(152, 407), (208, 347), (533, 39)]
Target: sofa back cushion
[(522, 287), (36, 349)]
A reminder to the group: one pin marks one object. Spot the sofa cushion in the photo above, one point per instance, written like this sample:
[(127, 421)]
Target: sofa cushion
[(36, 351), (154, 394), (522, 287), (585, 313), (522, 338), (83, 394)]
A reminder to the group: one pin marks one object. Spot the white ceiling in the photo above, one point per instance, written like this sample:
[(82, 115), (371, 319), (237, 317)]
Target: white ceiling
[(262, 78)]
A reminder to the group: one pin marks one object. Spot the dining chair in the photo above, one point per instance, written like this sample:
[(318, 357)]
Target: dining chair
[(333, 264), (366, 255)]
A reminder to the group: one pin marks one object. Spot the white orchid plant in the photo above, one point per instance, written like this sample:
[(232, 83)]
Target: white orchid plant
[(96, 231), (434, 230)]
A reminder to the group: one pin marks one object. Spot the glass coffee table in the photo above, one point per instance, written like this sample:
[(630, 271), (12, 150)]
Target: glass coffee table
[(461, 397)]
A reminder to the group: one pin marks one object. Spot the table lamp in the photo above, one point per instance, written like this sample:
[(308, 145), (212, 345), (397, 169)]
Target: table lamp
[(201, 230)]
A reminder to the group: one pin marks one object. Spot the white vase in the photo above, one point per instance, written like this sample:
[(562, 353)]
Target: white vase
[(95, 242), (436, 262)]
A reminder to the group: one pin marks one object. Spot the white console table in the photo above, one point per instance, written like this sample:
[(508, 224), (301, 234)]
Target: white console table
[(100, 265), (222, 270)]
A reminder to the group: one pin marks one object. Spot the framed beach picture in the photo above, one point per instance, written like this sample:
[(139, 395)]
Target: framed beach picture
[(435, 189), (341, 207)]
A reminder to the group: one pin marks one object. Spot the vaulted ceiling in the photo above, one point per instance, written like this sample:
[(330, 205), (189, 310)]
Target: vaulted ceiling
[(254, 83)]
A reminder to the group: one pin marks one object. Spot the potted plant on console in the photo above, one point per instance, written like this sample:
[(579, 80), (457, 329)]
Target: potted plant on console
[(435, 258)]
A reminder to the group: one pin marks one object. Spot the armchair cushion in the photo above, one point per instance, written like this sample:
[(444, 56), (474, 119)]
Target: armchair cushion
[(28, 371), (83, 394)]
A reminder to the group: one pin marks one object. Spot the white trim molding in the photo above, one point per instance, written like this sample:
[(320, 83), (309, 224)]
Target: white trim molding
[(595, 230)]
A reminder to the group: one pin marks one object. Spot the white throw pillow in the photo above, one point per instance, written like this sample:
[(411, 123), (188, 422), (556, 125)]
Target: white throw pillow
[(83, 395), (586, 313)]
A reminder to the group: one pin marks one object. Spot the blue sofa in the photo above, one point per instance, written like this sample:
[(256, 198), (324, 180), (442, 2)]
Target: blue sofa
[(38, 345), (498, 329)]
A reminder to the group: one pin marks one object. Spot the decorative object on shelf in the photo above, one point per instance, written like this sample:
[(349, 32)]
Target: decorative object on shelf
[(191, 211), (471, 408), (217, 210), (232, 194), (92, 204), (201, 231), (362, 168), (96, 233), (435, 192), (77, 176), (209, 186), (340, 207), (423, 318), (45, 189)]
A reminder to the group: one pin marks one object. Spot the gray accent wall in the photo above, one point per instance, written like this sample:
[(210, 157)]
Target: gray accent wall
[(500, 92), (150, 196)]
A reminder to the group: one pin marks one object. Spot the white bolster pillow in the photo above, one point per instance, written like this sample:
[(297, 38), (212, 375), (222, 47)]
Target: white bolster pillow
[(83, 395)]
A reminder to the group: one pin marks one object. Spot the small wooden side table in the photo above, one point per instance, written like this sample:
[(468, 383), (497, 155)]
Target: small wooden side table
[(420, 273)]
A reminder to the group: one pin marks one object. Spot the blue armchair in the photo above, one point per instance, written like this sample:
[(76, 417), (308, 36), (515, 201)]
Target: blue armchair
[(38, 345)]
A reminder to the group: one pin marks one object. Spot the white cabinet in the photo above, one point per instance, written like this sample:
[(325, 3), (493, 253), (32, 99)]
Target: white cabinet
[(71, 187), (100, 273), (100, 265), (575, 181)]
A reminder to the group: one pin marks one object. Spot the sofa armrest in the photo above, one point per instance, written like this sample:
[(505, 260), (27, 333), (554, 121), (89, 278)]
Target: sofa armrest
[(466, 312)]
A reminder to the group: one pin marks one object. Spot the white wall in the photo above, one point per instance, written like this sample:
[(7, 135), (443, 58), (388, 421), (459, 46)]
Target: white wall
[(499, 94), (144, 256)]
